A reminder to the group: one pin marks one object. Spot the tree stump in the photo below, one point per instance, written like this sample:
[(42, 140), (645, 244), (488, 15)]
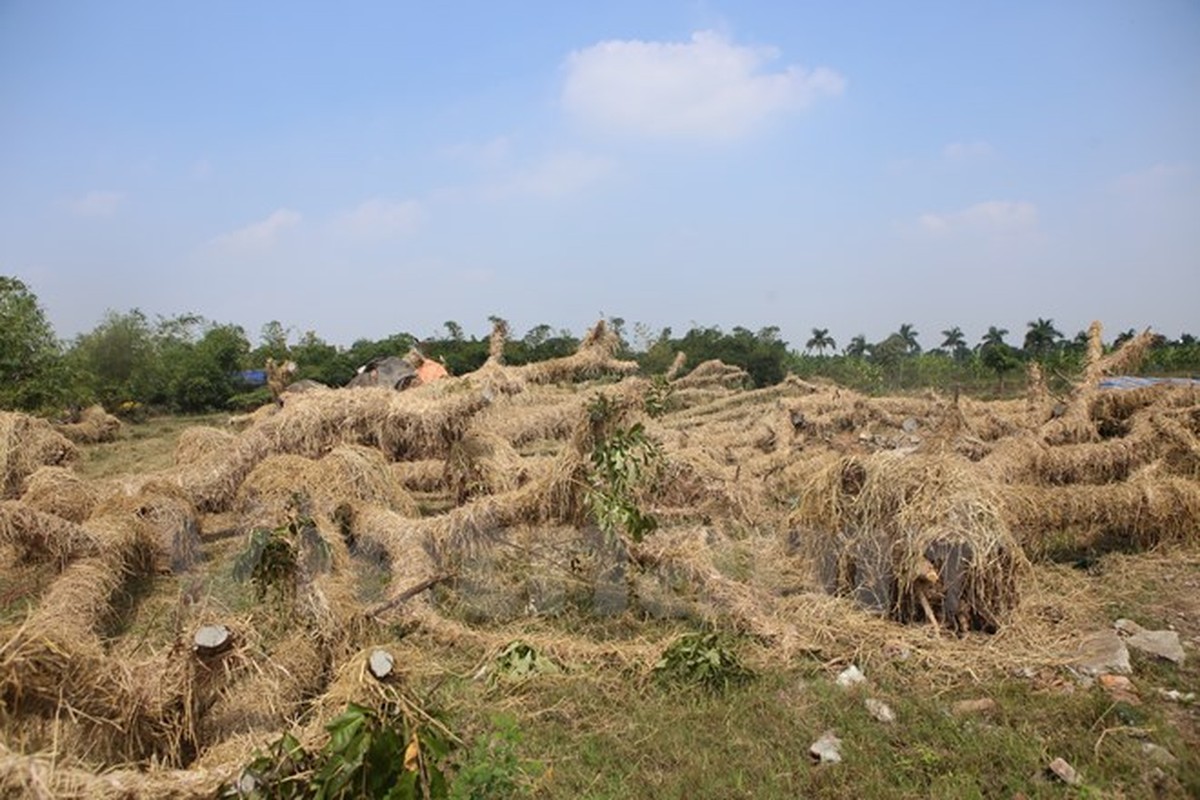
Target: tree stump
[(211, 640), (381, 664)]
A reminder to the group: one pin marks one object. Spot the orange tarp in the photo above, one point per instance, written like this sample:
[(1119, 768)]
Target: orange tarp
[(430, 371)]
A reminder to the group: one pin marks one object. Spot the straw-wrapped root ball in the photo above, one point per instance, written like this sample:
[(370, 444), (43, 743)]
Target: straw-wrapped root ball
[(915, 537)]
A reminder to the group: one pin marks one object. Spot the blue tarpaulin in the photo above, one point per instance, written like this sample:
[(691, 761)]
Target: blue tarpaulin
[(1130, 382), (254, 377)]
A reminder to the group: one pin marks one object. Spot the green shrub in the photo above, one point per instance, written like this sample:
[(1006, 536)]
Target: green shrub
[(708, 660)]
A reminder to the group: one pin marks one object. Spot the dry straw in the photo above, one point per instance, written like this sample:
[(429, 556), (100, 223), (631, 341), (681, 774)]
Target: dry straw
[(94, 425), (27, 443), (200, 441), (1144, 511), (61, 491), (42, 537), (913, 536)]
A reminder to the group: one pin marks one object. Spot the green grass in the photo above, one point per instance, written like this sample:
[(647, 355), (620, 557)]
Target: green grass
[(600, 738), (142, 447)]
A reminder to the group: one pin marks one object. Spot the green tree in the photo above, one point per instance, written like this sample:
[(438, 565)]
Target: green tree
[(820, 341), (1041, 338), (858, 347), (996, 355), (909, 335), (954, 340), (273, 343), (204, 374), (118, 361), (31, 373)]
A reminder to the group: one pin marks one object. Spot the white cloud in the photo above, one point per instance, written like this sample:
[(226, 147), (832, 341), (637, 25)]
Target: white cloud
[(97, 204), (959, 152), (259, 235), (378, 218), (705, 88), (993, 216), (557, 175), (489, 154), (1157, 177)]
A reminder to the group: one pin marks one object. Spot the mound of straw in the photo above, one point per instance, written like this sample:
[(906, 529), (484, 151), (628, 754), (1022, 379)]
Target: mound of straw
[(39, 537), (483, 463), (27, 443), (199, 442), (62, 492), (93, 425), (912, 536), (1141, 512), (713, 374)]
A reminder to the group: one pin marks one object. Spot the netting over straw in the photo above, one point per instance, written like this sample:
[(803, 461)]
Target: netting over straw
[(915, 537)]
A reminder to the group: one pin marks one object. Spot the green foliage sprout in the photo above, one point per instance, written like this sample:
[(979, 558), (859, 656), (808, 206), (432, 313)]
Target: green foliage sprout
[(623, 460), (276, 559), (370, 753), (707, 660)]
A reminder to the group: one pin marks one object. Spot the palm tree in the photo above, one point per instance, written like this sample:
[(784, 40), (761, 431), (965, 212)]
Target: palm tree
[(819, 341), (858, 347), (1042, 337), (956, 342), (1123, 337), (909, 335), (995, 353), (994, 337)]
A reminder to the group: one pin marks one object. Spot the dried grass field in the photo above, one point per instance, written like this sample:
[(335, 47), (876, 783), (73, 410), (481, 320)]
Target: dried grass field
[(582, 582)]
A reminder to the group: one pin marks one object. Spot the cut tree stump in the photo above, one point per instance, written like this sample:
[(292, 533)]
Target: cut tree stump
[(381, 663), (211, 640)]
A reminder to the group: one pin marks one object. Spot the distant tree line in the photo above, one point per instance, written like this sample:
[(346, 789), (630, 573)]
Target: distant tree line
[(187, 364)]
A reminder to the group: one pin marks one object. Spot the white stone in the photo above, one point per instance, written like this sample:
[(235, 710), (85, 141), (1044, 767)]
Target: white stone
[(880, 711), (827, 749), (850, 676), (1103, 652)]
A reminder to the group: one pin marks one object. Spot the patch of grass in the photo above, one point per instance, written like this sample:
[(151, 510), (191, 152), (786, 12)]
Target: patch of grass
[(602, 737), (142, 447)]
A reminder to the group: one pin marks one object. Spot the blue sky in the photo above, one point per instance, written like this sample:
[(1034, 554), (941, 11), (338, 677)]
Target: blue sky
[(365, 168)]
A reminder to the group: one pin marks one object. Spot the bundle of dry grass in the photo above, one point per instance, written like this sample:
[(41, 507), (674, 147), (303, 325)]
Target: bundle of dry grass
[(27, 443), (913, 536), (419, 423), (1076, 424), (159, 516), (61, 491), (480, 463), (91, 426), (713, 374), (596, 356), (47, 777), (427, 475), (684, 555), (40, 537), (1141, 512), (293, 669), (199, 442), (211, 482), (539, 415), (355, 473), (1117, 405), (1027, 459), (269, 495)]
